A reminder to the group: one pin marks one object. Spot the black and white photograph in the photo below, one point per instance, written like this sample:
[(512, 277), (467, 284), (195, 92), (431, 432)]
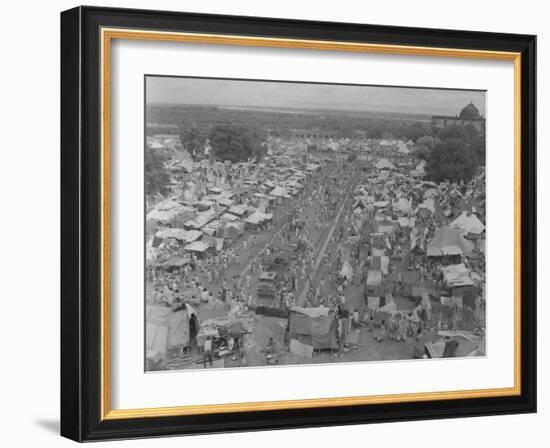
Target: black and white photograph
[(304, 223)]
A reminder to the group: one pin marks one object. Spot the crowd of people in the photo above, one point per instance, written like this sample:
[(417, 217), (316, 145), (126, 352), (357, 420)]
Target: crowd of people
[(346, 220)]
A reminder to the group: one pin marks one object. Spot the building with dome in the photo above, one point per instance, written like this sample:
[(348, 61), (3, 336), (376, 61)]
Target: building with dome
[(469, 115)]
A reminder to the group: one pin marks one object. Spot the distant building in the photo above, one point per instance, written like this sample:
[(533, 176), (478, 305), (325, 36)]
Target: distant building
[(469, 115)]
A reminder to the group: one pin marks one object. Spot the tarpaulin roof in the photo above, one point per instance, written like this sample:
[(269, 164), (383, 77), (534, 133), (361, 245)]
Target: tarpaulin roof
[(279, 192), (201, 219), (176, 261), (180, 234), (197, 246), (238, 210), (258, 217)]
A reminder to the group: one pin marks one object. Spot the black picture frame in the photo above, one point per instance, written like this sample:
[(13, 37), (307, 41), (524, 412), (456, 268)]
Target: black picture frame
[(81, 224)]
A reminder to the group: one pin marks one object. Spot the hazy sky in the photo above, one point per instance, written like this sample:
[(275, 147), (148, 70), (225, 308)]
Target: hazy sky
[(310, 96)]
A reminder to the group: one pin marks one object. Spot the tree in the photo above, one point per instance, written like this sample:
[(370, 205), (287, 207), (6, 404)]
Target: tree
[(156, 177), (476, 140), (452, 159), (424, 145), (236, 143), (193, 141), (452, 131), (471, 137), (416, 130)]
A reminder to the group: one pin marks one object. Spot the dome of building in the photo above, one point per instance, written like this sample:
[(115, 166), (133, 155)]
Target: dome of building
[(469, 111)]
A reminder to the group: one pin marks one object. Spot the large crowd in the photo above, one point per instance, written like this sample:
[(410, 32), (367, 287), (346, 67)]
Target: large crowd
[(339, 225)]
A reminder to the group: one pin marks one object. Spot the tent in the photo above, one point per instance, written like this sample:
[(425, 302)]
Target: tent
[(200, 220), (216, 243), (406, 222), (175, 262), (346, 271), (448, 241), (403, 148), (166, 329), (238, 210), (197, 246), (228, 217), (313, 326), (457, 275), (468, 223), (384, 164), (187, 236), (167, 211), (233, 229), (213, 227), (402, 205), (258, 217), (428, 204), (279, 192)]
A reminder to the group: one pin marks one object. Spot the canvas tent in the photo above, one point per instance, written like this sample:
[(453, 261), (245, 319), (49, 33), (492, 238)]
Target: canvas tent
[(166, 329), (384, 164), (279, 191), (448, 241), (258, 217), (457, 275), (346, 271), (197, 246), (469, 223), (403, 148), (187, 236), (402, 205), (168, 210)]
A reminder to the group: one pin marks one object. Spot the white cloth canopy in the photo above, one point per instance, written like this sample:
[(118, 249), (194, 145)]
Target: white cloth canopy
[(468, 223)]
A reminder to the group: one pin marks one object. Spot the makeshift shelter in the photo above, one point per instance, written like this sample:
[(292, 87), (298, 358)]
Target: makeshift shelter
[(168, 211), (374, 283), (346, 271), (233, 229), (258, 217), (384, 164), (420, 170), (402, 205), (406, 222), (187, 236), (469, 223), (166, 329), (448, 241), (238, 210), (214, 243), (457, 275), (197, 246), (316, 327), (200, 220), (214, 228), (229, 217), (403, 148), (279, 191), (175, 262), (224, 200)]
